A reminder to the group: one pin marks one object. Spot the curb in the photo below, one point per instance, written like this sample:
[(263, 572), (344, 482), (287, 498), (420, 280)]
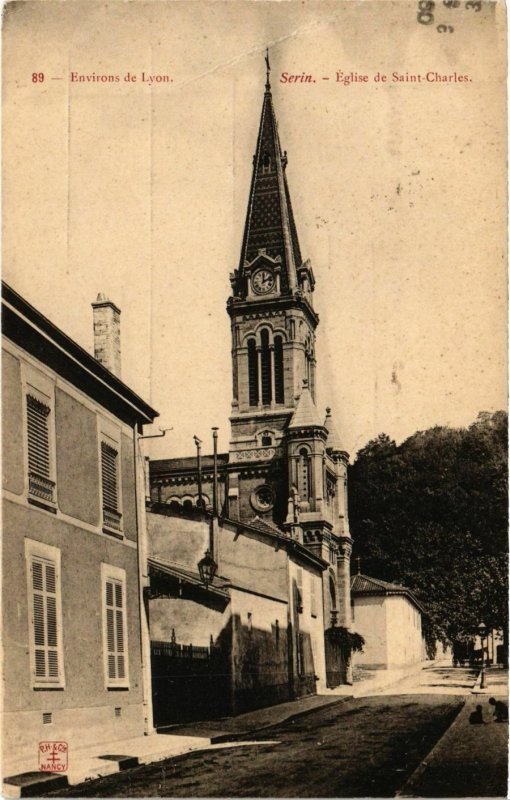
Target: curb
[(291, 718), (237, 735), (420, 769)]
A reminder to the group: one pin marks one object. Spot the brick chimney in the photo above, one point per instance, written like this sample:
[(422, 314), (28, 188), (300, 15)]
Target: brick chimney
[(107, 334)]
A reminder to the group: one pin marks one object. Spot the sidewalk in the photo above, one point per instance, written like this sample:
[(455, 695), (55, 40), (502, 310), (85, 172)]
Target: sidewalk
[(24, 779), (468, 761), (496, 682), (483, 747), (381, 679), (230, 728)]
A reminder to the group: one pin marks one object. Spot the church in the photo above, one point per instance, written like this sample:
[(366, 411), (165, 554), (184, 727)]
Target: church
[(286, 469)]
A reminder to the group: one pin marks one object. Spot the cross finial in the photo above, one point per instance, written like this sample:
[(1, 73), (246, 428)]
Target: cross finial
[(268, 70)]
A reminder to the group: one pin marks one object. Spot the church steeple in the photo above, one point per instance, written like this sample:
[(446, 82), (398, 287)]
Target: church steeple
[(273, 334), (270, 232)]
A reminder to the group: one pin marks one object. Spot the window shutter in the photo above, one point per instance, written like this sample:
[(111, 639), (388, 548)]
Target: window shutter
[(38, 437), (45, 626), (110, 486), (115, 643), (109, 475)]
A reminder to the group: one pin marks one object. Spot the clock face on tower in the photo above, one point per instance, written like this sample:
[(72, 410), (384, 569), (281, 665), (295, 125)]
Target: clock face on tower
[(262, 281)]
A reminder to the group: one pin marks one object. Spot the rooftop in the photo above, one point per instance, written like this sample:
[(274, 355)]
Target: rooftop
[(29, 329), (365, 585)]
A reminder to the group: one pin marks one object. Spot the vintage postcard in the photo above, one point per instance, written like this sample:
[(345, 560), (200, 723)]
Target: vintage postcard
[(254, 372)]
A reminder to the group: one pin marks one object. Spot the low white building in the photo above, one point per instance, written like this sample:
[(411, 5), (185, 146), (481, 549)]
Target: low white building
[(389, 617)]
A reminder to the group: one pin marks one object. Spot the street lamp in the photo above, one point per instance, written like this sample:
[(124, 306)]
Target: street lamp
[(207, 567), (482, 631)]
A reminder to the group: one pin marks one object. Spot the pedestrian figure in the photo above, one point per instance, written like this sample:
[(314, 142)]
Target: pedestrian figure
[(500, 710), (476, 717)]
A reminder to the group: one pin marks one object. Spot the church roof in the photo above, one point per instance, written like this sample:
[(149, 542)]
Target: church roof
[(270, 222), (364, 585), (306, 414), (161, 466), (266, 526), (334, 442)]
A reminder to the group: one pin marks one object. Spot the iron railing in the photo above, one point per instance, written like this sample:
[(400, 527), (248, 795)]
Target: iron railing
[(41, 487), (111, 518), (175, 650)]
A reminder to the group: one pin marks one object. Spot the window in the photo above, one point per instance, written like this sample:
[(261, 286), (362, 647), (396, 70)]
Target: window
[(299, 590), (266, 439), (110, 486), (114, 626), (304, 474), (265, 367), (253, 373), (278, 369), (313, 597), (45, 615), (266, 164), (41, 486)]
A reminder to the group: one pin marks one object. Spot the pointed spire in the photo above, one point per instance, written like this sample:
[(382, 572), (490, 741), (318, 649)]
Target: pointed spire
[(270, 225), (334, 442), (306, 414)]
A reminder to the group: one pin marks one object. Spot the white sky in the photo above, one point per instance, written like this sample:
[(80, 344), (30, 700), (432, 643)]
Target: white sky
[(398, 190)]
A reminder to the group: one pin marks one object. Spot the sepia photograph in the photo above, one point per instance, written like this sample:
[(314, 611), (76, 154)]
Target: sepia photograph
[(254, 398)]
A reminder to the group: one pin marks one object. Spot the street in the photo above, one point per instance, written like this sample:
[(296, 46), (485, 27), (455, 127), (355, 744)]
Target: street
[(365, 747)]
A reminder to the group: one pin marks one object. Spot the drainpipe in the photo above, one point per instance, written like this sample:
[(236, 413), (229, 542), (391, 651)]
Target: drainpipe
[(143, 582)]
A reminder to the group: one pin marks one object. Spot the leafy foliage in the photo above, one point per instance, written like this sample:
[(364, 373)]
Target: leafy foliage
[(431, 513), (348, 641)]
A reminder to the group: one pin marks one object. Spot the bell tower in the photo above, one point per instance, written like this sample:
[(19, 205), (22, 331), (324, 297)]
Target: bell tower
[(273, 327)]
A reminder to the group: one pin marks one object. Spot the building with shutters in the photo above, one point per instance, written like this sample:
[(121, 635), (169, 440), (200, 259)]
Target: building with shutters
[(75, 637), (286, 464)]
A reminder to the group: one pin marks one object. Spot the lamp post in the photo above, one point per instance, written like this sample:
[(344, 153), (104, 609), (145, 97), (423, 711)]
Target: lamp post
[(207, 567), (215, 473), (482, 631)]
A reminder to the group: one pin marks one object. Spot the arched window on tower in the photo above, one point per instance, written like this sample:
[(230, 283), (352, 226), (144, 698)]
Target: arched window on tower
[(278, 369), (265, 366), (307, 360), (304, 477), (253, 373), (266, 163), (266, 439), (332, 601)]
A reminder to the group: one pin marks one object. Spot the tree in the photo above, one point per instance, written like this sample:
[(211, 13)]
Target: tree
[(431, 513)]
